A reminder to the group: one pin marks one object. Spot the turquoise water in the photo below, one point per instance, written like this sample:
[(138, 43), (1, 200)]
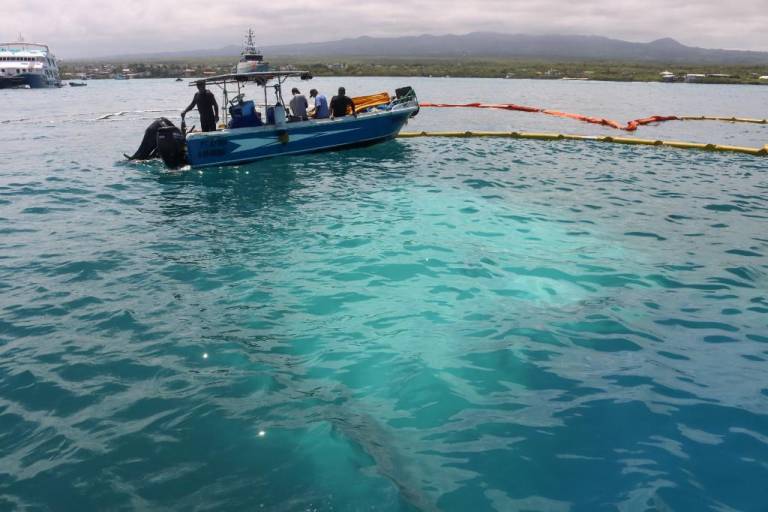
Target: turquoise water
[(421, 325)]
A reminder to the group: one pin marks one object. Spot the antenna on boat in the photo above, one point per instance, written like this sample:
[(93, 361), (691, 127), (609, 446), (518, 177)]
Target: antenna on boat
[(250, 45)]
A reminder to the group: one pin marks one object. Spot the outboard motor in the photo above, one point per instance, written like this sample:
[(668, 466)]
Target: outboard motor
[(148, 147), (172, 147), (407, 93)]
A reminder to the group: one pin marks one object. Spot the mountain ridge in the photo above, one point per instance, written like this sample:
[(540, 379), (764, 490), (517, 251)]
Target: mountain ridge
[(489, 45)]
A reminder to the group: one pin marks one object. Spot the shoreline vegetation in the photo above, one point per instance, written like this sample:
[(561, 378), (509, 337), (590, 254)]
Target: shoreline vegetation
[(425, 67)]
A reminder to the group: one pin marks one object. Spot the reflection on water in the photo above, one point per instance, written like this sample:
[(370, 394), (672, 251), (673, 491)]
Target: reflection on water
[(245, 189)]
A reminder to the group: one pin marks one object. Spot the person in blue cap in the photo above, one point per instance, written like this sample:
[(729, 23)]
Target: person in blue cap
[(321, 105)]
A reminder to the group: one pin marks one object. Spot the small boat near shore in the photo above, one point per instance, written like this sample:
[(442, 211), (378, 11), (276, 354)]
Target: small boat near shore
[(246, 138), (77, 84)]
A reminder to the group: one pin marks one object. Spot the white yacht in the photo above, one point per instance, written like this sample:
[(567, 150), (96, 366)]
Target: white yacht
[(28, 64), (251, 59)]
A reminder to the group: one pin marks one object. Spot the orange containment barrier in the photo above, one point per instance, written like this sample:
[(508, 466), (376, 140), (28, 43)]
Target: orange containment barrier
[(372, 100), (630, 126), (504, 106), (587, 119)]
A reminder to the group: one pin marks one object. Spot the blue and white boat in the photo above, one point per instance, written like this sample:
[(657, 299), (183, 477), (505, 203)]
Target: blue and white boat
[(246, 138), (28, 65)]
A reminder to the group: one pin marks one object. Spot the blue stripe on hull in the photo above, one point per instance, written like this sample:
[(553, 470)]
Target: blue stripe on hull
[(248, 144), (35, 81)]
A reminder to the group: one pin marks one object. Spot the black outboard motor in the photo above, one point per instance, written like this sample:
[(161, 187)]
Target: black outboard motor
[(148, 147), (172, 146), (407, 93)]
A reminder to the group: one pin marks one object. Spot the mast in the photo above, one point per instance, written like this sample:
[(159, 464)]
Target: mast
[(250, 45)]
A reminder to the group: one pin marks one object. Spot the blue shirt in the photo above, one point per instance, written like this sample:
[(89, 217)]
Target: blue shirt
[(321, 107)]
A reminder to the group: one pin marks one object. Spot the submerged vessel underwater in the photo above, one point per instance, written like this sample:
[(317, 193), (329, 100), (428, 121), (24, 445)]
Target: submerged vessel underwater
[(246, 138)]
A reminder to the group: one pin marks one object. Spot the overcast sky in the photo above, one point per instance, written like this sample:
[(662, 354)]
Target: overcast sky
[(87, 28)]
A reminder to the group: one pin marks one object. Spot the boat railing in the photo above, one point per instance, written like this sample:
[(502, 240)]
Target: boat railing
[(23, 44)]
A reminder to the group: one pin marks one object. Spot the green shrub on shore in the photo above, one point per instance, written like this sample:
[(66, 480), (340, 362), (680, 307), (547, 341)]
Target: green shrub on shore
[(480, 68)]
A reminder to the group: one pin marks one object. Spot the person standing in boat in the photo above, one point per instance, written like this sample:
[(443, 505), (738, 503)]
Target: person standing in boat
[(321, 105), (206, 106), (341, 103), (298, 105)]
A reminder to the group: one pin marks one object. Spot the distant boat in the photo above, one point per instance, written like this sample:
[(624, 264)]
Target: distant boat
[(120, 77), (574, 78), (251, 59), (179, 80), (668, 77), (33, 63), (77, 84)]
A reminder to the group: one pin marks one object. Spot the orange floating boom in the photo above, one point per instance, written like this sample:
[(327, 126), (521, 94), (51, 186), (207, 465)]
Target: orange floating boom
[(630, 126)]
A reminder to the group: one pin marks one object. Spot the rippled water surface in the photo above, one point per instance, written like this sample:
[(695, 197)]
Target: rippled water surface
[(427, 324)]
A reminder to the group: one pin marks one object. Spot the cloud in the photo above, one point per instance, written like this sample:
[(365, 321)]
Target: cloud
[(78, 28)]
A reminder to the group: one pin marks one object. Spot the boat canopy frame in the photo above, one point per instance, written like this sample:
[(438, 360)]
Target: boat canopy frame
[(260, 78)]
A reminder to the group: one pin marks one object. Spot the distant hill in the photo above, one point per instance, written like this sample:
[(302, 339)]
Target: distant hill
[(492, 45)]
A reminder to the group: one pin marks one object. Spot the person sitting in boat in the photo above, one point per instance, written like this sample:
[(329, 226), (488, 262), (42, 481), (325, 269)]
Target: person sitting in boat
[(206, 106), (298, 106), (321, 105), (341, 103)]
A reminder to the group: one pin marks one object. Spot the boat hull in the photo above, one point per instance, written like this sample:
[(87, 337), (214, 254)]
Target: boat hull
[(12, 82), (37, 81), (251, 67), (243, 145)]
